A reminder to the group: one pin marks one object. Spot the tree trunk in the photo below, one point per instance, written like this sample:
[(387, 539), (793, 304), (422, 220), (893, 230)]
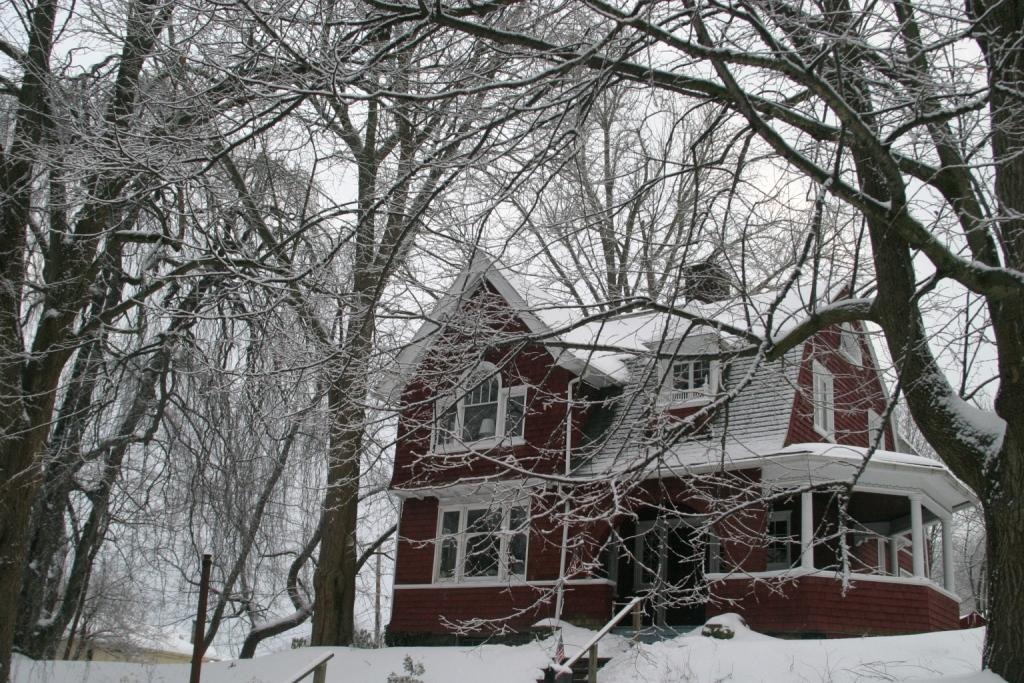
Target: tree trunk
[(1004, 543), (334, 581)]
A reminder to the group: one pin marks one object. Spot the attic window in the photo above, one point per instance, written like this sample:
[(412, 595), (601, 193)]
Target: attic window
[(485, 413), (849, 344), (823, 397), (690, 380)]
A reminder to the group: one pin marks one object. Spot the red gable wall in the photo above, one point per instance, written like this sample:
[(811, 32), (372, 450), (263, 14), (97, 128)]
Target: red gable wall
[(857, 389), (498, 340)]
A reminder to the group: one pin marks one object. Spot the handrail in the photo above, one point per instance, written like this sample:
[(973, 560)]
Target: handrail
[(320, 661), (604, 631)]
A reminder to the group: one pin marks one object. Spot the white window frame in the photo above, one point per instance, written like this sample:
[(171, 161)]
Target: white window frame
[(823, 399), (849, 344), (787, 540), (457, 443), (670, 396), (461, 535), (876, 426)]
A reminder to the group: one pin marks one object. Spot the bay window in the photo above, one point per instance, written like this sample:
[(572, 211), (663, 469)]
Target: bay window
[(480, 542)]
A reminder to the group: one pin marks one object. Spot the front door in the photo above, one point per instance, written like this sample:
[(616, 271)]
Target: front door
[(670, 567)]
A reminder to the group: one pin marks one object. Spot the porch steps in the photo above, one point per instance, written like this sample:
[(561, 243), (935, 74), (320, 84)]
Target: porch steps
[(579, 671)]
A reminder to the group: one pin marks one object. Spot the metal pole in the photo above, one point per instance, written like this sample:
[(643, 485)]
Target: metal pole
[(376, 606), (592, 665), (200, 634)]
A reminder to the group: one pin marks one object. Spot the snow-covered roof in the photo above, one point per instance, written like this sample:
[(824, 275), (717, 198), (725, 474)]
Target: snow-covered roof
[(756, 423), (601, 345)]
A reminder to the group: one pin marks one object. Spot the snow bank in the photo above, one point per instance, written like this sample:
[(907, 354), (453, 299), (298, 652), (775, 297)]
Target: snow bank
[(755, 658), (948, 657)]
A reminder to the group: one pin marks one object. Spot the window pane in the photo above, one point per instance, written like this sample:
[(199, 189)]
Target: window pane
[(449, 557), (483, 519), (515, 410), (450, 522), (701, 373), (482, 555), (779, 543), (681, 376), (517, 554), (485, 392), (479, 421), (446, 426), (517, 519)]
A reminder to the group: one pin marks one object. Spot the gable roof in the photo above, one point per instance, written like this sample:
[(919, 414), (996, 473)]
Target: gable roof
[(541, 317)]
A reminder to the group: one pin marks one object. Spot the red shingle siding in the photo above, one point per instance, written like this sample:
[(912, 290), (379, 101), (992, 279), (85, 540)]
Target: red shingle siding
[(857, 389), (817, 605), (532, 365), (417, 529), (425, 610)]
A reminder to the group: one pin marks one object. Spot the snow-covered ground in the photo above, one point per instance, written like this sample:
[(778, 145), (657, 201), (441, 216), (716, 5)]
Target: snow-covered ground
[(952, 656)]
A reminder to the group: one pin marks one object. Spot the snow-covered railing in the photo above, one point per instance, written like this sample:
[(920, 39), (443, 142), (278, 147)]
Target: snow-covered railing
[(591, 645), (669, 397), (318, 667)]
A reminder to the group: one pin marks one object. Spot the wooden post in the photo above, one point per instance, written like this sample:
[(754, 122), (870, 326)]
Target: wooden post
[(592, 664), (638, 617), (200, 632)]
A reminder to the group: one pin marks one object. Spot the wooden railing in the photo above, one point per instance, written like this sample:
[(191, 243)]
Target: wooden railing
[(318, 667), (559, 671)]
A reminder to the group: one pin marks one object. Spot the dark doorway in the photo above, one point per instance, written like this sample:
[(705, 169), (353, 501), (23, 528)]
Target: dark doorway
[(668, 563)]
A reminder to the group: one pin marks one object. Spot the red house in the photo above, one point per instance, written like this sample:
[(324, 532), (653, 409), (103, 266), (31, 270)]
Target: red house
[(554, 461)]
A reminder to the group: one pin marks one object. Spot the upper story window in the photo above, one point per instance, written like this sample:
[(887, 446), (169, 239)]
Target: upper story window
[(849, 343), (485, 412), (480, 542), (823, 397), (690, 380)]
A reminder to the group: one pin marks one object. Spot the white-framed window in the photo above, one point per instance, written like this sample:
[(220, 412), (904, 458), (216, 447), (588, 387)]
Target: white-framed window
[(485, 412), (823, 398), (849, 343), (690, 379), (779, 547), (876, 428), (479, 542)]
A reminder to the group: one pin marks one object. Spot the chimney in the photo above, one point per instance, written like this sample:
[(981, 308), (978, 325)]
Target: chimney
[(706, 281)]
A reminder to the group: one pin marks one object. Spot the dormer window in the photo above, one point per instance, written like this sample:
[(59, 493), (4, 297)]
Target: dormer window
[(690, 380), (485, 414)]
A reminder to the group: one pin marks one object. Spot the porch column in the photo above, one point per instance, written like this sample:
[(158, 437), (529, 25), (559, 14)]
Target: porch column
[(894, 555), (807, 530), (917, 534), (948, 572)]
